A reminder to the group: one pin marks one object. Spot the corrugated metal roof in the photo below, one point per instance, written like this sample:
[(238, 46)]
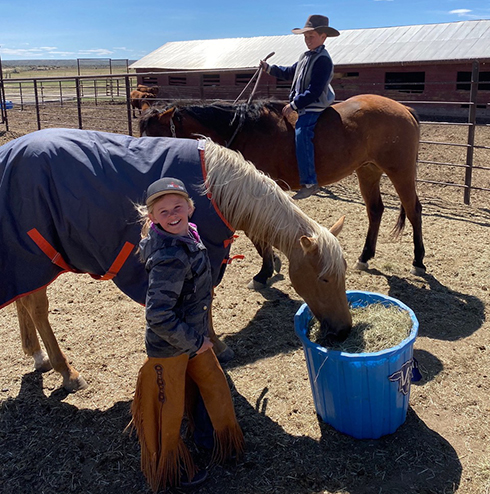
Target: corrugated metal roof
[(466, 40)]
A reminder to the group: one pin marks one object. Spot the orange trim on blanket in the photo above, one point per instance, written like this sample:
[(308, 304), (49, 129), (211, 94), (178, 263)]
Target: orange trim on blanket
[(231, 259), (57, 259), (118, 263), (48, 249), (12, 300)]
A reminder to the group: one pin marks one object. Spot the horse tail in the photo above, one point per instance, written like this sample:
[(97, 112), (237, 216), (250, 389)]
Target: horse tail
[(400, 224), (414, 114)]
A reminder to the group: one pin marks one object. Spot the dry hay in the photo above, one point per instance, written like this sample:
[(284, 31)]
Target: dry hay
[(375, 327)]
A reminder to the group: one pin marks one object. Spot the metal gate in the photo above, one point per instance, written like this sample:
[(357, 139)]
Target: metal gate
[(3, 101)]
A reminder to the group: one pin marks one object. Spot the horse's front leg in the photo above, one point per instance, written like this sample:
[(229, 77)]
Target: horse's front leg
[(36, 306), (369, 177), (270, 263), (223, 352)]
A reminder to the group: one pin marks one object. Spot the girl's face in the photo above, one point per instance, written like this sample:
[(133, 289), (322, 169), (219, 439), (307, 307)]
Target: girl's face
[(172, 213)]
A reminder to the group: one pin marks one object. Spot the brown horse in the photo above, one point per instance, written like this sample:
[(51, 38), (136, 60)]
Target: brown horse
[(67, 204), (141, 100), (367, 134)]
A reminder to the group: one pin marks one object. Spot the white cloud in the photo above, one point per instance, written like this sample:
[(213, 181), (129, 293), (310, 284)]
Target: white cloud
[(460, 12), (97, 52)]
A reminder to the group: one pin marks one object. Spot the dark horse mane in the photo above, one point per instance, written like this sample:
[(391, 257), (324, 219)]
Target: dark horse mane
[(224, 116)]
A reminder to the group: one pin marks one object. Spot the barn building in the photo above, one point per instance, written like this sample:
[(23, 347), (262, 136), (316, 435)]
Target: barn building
[(418, 64)]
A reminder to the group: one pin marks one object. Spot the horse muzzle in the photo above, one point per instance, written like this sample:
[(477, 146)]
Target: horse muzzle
[(334, 335)]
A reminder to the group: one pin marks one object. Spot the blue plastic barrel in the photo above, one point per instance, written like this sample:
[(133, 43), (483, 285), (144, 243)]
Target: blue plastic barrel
[(8, 104), (364, 395)]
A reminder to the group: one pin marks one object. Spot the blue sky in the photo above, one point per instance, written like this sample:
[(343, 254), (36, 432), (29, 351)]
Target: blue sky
[(47, 29)]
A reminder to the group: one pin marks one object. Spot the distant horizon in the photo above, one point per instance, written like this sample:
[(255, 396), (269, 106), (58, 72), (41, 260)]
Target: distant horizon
[(62, 61)]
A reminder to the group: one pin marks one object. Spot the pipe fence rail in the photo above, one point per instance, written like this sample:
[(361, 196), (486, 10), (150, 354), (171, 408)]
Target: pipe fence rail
[(102, 102)]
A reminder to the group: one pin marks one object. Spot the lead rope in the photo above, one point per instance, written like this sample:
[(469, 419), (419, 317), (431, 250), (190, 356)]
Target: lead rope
[(258, 74)]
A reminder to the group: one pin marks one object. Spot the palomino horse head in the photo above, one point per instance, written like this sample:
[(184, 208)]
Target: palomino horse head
[(322, 287), (254, 203)]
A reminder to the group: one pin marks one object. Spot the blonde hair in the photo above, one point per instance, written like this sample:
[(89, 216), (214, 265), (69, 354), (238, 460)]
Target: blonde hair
[(144, 210)]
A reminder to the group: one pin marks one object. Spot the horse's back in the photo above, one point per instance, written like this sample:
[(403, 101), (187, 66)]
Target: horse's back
[(366, 129), (375, 110)]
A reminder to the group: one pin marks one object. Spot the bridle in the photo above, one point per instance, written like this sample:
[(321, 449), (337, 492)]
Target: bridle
[(173, 130)]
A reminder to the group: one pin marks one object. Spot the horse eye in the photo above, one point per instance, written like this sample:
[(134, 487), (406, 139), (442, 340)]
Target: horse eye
[(325, 280)]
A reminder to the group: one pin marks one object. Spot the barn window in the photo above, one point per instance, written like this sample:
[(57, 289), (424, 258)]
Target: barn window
[(242, 79), (177, 80), (149, 81), (405, 82), (464, 81), (210, 80), (346, 75)]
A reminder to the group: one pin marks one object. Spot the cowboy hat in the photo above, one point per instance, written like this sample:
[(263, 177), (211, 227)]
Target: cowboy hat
[(317, 23)]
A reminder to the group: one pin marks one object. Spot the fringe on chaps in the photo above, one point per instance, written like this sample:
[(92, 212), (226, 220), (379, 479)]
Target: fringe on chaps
[(158, 410)]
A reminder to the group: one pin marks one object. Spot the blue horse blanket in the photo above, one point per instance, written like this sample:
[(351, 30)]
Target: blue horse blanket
[(67, 204)]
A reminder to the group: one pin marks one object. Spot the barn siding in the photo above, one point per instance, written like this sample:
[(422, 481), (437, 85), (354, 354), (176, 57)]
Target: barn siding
[(439, 86)]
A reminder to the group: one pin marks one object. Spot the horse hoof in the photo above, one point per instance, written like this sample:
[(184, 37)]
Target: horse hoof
[(417, 271), (256, 285), (361, 266), (226, 355), (41, 362), (277, 264), (74, 385)]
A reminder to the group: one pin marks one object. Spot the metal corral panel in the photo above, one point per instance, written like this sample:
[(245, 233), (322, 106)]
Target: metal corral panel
[(466, 40)]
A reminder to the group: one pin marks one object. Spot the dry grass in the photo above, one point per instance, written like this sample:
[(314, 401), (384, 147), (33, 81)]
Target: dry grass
[(375, 327)]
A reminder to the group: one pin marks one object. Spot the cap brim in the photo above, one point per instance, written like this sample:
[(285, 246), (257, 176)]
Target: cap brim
[(156, 195)]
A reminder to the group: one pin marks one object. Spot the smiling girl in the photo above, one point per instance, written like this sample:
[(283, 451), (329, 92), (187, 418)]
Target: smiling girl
[(181, 365)]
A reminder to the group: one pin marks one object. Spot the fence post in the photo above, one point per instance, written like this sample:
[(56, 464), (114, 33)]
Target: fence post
[(36, 98), (128, 104), (471, 131), (79, 102)]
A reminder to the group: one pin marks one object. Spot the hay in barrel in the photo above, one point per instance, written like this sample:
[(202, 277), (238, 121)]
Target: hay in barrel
[(375, 327)]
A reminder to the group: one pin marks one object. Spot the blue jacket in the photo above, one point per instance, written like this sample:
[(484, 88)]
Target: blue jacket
[(179, 293), (311, 76)]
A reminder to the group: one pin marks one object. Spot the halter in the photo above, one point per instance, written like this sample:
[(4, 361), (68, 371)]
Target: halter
[(172, 127)]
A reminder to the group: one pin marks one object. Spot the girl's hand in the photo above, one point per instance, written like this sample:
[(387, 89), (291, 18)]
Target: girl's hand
[(206, 345)]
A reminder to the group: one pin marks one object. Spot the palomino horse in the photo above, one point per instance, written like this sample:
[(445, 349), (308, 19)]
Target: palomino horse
[(367, 134), (67, 204)]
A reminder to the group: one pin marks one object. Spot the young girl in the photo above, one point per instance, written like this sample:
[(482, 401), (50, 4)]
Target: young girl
[(181, 363)]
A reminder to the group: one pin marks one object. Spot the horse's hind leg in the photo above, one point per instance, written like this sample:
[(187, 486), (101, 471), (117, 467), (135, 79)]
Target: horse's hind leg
[(30, 341), (35, 305), (369, 177), (413, 210)]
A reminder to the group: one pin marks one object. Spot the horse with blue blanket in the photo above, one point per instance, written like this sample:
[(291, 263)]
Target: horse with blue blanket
[(67, 203)]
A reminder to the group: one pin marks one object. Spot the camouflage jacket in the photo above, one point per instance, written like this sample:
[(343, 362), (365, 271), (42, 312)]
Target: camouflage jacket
[(179, 292)]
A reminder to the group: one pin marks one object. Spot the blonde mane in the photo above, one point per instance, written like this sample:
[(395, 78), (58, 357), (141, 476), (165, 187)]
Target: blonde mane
[(254, 203)]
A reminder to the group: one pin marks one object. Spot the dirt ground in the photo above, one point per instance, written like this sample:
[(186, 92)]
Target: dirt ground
[(52, 442)]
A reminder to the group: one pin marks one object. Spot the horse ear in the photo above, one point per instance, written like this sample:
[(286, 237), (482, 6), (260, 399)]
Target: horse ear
[(337, 228), (308, 244)]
